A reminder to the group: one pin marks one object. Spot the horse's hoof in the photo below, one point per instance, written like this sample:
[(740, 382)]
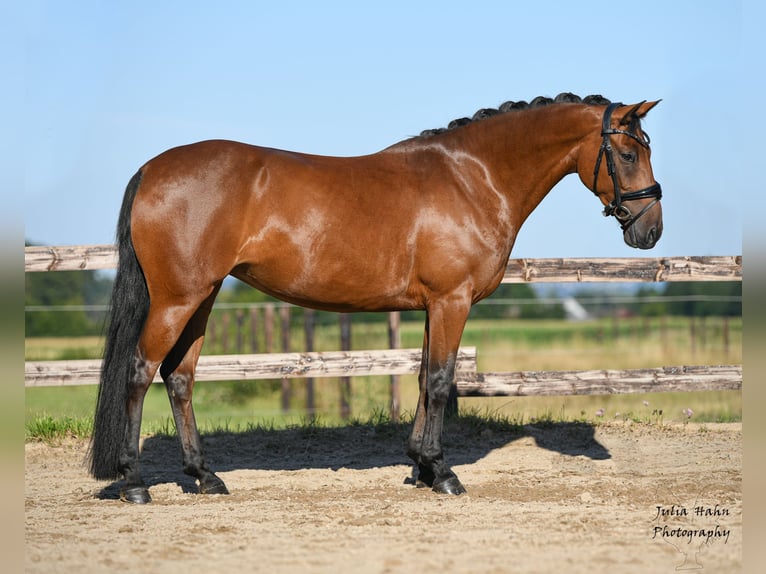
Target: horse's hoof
[(136, 495), (425, 478), (450, 485), (215, 486)]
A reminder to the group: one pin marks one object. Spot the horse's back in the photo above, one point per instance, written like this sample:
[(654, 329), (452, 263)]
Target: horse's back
[(366, 232), (285, 222)]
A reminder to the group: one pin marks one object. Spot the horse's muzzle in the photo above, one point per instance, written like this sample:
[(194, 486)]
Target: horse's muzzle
[(640, 238)]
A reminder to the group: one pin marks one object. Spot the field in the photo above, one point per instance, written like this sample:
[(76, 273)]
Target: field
[(502, 346)]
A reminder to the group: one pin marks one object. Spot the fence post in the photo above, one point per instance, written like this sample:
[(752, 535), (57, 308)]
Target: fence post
[(225, 332), (268, 327), (693, 334), (345, 382), (284, 316), (309, 319), (240, 317), (394, 342), (254, 330), (211, 333)]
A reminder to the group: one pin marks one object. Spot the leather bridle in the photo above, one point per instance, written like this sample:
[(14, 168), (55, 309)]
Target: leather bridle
[(616, 207)]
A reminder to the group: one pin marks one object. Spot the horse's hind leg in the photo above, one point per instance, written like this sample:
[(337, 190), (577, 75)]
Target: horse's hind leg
[(164, 325), (135, 489), (178, 373)]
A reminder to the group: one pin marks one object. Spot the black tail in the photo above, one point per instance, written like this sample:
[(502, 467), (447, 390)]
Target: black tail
[(129, 307)]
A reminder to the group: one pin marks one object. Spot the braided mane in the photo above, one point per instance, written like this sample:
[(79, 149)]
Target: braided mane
[(510, 106)]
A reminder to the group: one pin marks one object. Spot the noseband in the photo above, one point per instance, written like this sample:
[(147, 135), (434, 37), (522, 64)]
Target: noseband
[(616, 207)]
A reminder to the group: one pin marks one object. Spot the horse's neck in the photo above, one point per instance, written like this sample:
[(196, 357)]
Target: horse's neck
[(530, 152), (522, 155), (527, 153)]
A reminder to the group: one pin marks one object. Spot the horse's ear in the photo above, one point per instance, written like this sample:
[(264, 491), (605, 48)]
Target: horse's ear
[(638, 111)]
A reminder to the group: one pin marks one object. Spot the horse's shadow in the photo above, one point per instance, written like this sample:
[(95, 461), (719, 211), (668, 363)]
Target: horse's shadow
[(356, 447)]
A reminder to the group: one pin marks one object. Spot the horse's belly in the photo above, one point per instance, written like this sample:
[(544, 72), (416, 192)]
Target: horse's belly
[(334, 284)]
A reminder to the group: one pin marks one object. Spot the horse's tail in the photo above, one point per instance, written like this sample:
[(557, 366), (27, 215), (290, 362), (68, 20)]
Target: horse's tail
[(129, 307)]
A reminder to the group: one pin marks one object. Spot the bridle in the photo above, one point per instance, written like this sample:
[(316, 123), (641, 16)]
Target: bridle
[(616, 207)]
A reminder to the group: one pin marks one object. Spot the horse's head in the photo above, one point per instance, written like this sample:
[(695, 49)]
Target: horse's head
[(615, 165)]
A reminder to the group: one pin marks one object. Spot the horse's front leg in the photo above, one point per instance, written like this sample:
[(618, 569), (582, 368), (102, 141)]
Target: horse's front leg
[(440, 378), (415, 442), (444, 327)]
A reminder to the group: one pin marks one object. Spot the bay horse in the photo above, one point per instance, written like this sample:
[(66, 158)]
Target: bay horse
[(427, 223)]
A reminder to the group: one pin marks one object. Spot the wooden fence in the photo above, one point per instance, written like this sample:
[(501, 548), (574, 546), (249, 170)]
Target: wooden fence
[(395, 361), (715, 268)]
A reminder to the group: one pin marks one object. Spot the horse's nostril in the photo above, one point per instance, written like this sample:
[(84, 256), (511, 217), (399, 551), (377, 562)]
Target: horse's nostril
[(653, 236)]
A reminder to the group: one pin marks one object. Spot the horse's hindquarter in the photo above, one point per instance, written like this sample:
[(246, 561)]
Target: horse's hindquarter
[(362, 233)]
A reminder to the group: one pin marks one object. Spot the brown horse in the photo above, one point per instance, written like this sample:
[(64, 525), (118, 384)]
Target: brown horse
[(427, 223)]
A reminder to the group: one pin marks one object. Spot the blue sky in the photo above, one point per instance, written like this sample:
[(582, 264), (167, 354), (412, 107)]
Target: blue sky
[(108, 85)]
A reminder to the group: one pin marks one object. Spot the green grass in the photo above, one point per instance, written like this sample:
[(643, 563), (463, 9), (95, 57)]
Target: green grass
[(474, 421), (48, 428), (502, 346), (707, 406)]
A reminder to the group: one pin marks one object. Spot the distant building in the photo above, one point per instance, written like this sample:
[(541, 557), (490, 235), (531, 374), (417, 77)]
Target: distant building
[(574, 311)]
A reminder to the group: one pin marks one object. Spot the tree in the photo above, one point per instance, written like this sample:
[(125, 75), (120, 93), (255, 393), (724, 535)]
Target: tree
[(705, 298), (519, 297), (652, 308)]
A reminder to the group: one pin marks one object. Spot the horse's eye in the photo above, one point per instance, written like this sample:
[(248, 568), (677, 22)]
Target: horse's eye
[(628, 157)]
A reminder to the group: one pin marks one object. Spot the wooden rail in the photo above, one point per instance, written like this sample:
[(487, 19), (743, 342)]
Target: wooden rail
[(407, 361), (720, 268), (601, 382), (70, 258), (714, 268), (258, 366)]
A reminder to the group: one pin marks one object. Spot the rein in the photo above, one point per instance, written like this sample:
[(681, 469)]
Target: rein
[(616, 207)]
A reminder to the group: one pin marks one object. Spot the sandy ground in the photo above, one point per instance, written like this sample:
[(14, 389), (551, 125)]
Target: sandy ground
[(554, 498)]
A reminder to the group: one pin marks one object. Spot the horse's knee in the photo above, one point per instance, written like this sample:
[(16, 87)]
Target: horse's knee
[(439, 384), (179, 386), (141, 377)]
